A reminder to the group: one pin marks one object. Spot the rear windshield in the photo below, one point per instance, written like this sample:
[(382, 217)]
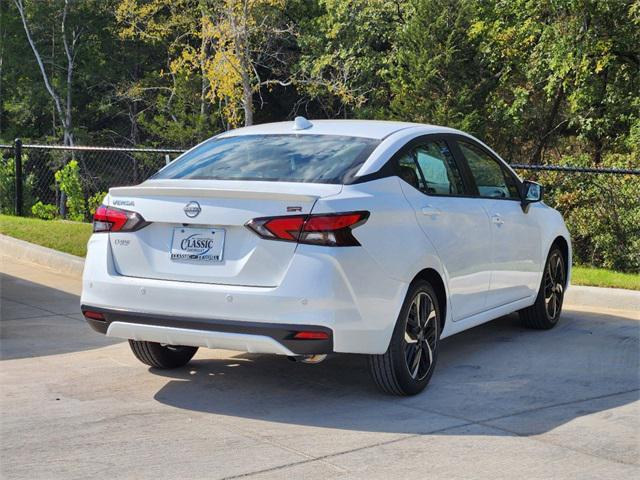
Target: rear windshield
[(291, 158)]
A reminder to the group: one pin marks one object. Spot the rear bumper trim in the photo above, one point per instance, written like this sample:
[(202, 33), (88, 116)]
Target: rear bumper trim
[(197, 338), (255, 337)]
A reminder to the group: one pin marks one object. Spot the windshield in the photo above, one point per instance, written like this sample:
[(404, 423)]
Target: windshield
[(290, 158)]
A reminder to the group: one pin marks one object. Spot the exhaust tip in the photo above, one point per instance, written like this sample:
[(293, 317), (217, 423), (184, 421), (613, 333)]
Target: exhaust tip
[(309, 359)]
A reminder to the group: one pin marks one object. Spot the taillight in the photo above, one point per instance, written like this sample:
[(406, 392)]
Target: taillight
[(110, 219), (332, 229)]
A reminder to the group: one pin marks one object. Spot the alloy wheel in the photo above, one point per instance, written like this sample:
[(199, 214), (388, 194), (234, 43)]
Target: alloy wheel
[(554, 278), (421, 336)]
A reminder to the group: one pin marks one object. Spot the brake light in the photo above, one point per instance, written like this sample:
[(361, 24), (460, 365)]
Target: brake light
[(284, 228), (110, 219), (332, 229)]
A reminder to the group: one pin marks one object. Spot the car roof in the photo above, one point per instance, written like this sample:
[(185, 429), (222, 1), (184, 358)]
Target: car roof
[(375, 129), (392, 135)]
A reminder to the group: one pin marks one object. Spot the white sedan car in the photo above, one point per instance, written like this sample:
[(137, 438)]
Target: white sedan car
[(307, 238)]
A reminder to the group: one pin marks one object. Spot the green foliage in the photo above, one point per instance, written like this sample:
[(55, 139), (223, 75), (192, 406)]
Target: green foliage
[(437, 76), (347, 50), (68, 177), (602, 212), (549, 81), (44, 211), (565, 69), (8, 187), (95, 201)]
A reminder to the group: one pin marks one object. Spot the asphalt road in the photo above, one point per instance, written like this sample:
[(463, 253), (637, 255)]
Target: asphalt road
[(505, 402)]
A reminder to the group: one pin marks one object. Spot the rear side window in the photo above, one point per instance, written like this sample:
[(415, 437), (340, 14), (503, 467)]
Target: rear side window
[(430, 167), (492, 179), (291, 158)]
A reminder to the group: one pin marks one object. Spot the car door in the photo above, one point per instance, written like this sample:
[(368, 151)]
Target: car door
[(456, 224), (516, 250)]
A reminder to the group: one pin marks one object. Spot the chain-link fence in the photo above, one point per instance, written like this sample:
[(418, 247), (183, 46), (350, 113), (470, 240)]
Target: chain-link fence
[(95, 169), (601, 206)]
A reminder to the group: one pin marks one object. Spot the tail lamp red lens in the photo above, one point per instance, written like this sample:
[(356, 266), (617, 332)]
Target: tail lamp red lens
[(111, 219), (311, 335), (333, 229)]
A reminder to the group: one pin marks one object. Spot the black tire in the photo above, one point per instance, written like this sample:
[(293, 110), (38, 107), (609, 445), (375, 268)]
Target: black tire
[(545, 312), (162, 356), (391, 371)]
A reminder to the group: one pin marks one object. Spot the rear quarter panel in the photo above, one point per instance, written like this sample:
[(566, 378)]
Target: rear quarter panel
[(391, 236)]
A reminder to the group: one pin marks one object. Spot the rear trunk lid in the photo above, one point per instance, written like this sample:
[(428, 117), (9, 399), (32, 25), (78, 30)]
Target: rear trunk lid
[(197, 232)]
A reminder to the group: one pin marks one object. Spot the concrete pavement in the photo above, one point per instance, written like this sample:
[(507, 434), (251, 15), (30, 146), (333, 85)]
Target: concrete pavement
[(505, 402)]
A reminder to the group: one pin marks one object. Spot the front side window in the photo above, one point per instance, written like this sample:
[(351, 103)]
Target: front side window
[(434, 167), (492, 180), (291, 158)]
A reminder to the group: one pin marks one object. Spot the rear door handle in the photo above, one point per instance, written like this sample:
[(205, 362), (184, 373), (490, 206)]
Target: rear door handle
[(430, 210), (497, 219)]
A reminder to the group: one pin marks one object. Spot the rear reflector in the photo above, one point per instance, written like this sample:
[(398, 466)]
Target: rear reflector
[(111, 219), (333, 229), (309, 335), (93, 315)]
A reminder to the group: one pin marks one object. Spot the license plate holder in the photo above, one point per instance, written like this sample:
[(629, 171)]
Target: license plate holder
[(197, 245)]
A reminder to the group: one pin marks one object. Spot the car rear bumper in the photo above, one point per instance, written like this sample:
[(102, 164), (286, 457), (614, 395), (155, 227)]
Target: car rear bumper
[(342, 290), (251, 337)]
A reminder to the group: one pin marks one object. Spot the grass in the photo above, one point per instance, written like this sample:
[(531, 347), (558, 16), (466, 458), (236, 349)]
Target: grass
[(69, 237), (601, 277), (72, 237)]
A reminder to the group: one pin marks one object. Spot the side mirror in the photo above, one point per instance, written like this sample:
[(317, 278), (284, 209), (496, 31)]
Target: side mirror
[(531, 193)]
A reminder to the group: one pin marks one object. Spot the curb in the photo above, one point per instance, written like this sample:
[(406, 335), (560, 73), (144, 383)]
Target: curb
[(47, 257), (615, 298)]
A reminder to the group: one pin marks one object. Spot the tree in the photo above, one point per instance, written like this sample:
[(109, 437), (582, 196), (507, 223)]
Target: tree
[(436, 76), (566, 69), (234, 47), (70, 36), (346, 52)]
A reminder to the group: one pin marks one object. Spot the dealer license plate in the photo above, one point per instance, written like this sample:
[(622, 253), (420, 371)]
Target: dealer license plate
[(200, 245)]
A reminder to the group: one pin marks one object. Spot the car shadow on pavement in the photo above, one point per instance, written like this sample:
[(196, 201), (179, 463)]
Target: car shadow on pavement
[(36, 320), (588, 363)]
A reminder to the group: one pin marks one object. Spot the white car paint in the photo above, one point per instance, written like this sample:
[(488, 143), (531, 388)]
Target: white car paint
[(489, 253)]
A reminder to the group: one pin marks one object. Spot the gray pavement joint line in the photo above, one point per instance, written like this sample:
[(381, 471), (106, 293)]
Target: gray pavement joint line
[(32, 306), (539, 439), (42, 316), (257, 436), (522, 412), (469, 422), (479, 423), (344, 452), (268, 441)]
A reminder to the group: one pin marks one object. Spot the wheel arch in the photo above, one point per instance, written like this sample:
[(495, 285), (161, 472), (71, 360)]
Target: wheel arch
[(563, 245)]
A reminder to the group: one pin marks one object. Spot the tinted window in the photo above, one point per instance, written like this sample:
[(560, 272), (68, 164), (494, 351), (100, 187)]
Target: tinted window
[(408, 170), (492, 179), (435, 169), (292, 158)]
